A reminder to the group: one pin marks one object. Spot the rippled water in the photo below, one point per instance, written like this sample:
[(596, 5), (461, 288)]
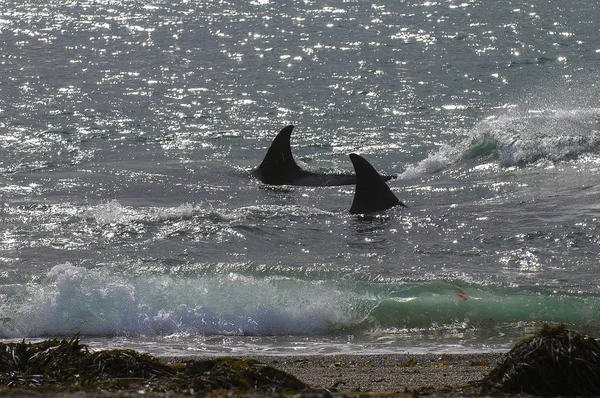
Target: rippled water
[(128, 131)]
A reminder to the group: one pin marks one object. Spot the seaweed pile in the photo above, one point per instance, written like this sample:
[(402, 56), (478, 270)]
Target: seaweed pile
[(56, 361), (68, 365), (555, 361)]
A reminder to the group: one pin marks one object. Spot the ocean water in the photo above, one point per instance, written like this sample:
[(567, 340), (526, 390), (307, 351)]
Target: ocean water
[(129, 129)]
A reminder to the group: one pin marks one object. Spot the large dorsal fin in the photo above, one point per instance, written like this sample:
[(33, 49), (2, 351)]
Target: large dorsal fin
[(279, 166), (371, 194)]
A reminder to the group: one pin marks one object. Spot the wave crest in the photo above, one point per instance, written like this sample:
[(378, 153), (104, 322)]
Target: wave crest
[(519, 139), (259, 300)]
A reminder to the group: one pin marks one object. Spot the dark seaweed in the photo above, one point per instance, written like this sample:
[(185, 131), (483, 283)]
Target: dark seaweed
[(556, 361), (65, 365)]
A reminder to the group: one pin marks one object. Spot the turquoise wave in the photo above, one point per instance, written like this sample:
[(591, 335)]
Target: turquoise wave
[(482, 145), (480, 306), (250, 299)]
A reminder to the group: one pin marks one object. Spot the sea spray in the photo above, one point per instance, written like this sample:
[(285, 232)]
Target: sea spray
[(519, 138), (264, 301)]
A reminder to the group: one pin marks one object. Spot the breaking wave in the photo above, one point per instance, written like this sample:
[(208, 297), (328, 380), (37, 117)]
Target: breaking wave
[(247, 299), (520, 138)]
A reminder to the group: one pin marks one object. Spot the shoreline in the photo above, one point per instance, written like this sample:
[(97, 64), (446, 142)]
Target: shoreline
[(432, 374), (57, 367), (555, 361)]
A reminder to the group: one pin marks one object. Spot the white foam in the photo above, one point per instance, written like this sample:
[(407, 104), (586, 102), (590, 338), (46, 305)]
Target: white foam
[(112, 212), (100, 301), (435, 162), (108, 213), (521, 137)]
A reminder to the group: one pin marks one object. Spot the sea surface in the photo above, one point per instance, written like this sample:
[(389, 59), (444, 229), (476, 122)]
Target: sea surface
[(129, 130)]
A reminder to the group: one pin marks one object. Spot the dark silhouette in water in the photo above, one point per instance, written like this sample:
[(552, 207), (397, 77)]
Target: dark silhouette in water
[(372, 194), (279, 167)]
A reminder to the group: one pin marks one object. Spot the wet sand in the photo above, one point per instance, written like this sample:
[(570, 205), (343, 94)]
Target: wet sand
[(376, 375)]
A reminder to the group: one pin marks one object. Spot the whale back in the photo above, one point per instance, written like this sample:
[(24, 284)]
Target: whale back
[(279, 167)]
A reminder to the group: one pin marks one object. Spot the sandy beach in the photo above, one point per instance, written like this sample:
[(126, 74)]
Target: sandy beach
[(430, 374), (59, 367), (556, 361), (392, 375)]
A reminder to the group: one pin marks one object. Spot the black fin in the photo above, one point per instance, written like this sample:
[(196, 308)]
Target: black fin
[(279, 167), (371, 194)]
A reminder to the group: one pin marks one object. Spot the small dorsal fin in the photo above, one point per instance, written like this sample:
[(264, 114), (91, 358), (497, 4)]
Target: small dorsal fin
[(371, 194), (279, 166)]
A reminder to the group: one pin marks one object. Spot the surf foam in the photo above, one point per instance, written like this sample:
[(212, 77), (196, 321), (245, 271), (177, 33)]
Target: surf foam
[(247, 299), (519, 138)]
